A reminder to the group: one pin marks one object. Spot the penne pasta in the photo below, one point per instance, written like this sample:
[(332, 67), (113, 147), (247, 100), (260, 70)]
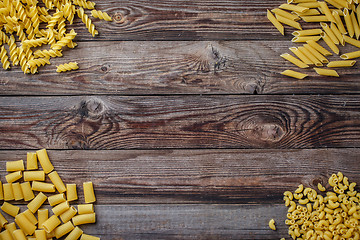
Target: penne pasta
[(56, 180), (326, 72), (15, 166), (42, 187), (74, 234), (294, 60), (355, 25), (292, 7), (352, 41), (275, 22), (27, 191), (18, 195), (12, 177), (337, 33), (325, 9), (31, 161), (339, 23), (301, 56), (319, 48), (310, 12), (308, 54), (285, 14), (84, 219), (306, 38), (71, 192), (319, 18), (358, 13), (348, 22), (89, 190), (289, 22), (329, 32), (44, 160), (302, 1), (345, 63), (338, 11), (330, 43), (308, 32), (34, 176), (294, 74), (88, 237), (318, 55), (10, 209), (350, 55), (310, 4), (343, 3), (334, 3)]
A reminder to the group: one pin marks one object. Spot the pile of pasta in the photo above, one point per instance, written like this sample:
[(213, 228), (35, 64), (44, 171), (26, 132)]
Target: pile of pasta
[(36, 23), (65, 219), (339, 24), (332, 215)]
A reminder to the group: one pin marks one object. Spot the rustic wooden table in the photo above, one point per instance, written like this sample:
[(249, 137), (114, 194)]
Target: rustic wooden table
[(179, 116)]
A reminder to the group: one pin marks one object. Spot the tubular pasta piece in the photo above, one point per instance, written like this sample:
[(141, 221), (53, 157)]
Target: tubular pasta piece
[(295, 8), (337, 33), (301, 56), (43, 215), (36, 203), (326, 72), (68, 214), (89, 237), (1, 191), (355, 25), (63, 229), (18, 195), (71, 192), (31, 161), (319, 18), (329, 32), (19, 235), (51, 223), (56, 199), (61, 208), (339, 23), (42, 187), (3, 221), (306, 38), (27, 191), (352, 41), (15, 166), (348, 22), (308, 54), (285, 14), (89, 192), (318, 55), (34, 176), (330, 43), (75, 234), (8, 192), (84, 219), (346, 63), (325, 9), (30, 216), (12, 177), (311, 12), (6, 235), (40, 235), (56, 180), (310, 4), (44, 160), (10, 209), (25, 224), (85, 208), (294, 60), (308, 32), (289, 22), (321, 188), (275, 22)]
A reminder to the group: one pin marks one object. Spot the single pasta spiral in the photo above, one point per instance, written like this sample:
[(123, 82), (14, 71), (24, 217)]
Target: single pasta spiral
[(65, 40), (84, 4), (38, 62), (4, 58), (87, 21), (47, 53), (69, 12), (34, 42), (54, 19), (34, 18), (67, 67), (101, 15), (13, 50)]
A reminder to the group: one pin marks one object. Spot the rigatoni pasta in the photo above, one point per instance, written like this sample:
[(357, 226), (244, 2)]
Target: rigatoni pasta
[(71, 192), (31, 161), (44, 160), (56, 180), (15, 166), (89, 192), (10, 209)]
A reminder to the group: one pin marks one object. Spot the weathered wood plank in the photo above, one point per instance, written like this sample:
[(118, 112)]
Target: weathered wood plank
[(182, 20), (197, 176), (110, 122), (190, 221), (176, 68)]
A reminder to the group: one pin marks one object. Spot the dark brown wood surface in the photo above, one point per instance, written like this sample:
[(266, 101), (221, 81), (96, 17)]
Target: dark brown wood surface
[(179, 116)]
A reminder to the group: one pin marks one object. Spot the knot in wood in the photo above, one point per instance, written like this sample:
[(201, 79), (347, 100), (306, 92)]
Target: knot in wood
[(119, 18), (92, 108)]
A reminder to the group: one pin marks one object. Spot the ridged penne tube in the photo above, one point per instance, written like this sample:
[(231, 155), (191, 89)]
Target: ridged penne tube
[(308, 54), (329, 32), (27, 191), (326, 72), (56, 180), (343, 3), (56, 199), (88, 237), (34, 176), (68, 214), (319, 18), (301, 56), (350, 55), (43, 215), (10, 209), (318, 55), (40, 235), (1, 191), (3, 221), (63, 229), (310, 12), (325, 9), (310, 4), (42, 187), (285, 14), (25, 224), (337, 33), (71, 192), (15, 166), (51, 223), (355, 25), (319, 48), (36, 203), (44, 160), (348, 22), (74, 234), (294, 60), (339, 23), (18, 195), (294, 74), (84, 219), (330, 43), (358, 13), (334, 3), (352, 41), (19, 235), (85, 208), (89, 193), (12, 177), (61, 208), (306, 38), (308, 32), (295, 8), (30, 216), (289, 22), (8, 192), (345, 63), (31, 161)]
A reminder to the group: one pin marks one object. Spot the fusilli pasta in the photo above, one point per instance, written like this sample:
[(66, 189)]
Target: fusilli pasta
[(67, 67)]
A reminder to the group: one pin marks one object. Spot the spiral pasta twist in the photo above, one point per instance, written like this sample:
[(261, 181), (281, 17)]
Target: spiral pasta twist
[(67, 67), (47, 53), (34, 42), (69, 12), (4, 58), (13, 50), (87, 21), (33, 14), (84, 4), (23, 60), (101, 15), (20, 33), (48, 4), (54, 19), (65, 40), (61, 27), (38, 62)]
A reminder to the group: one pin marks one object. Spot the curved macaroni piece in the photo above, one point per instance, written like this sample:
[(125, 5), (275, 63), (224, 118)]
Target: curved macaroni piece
[(272, 224), (67, 67), (102, 15), (4, 58), (84, 17)]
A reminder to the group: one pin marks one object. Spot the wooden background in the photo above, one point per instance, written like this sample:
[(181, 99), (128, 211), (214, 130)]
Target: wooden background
[(180, 117)]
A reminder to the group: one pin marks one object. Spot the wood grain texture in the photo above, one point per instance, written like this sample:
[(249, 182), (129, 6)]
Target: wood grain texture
[(182, 20), (196, 176), (234, 67), (108, 122)]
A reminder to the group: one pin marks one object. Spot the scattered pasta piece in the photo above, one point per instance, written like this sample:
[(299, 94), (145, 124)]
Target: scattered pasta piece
[(326, 72), (67, 67), (294, 74), (272, 224)]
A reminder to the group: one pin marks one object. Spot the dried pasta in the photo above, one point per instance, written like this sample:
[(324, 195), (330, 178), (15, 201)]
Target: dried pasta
[(67, 67), (294, 74), (272, 224), (101, 15)]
